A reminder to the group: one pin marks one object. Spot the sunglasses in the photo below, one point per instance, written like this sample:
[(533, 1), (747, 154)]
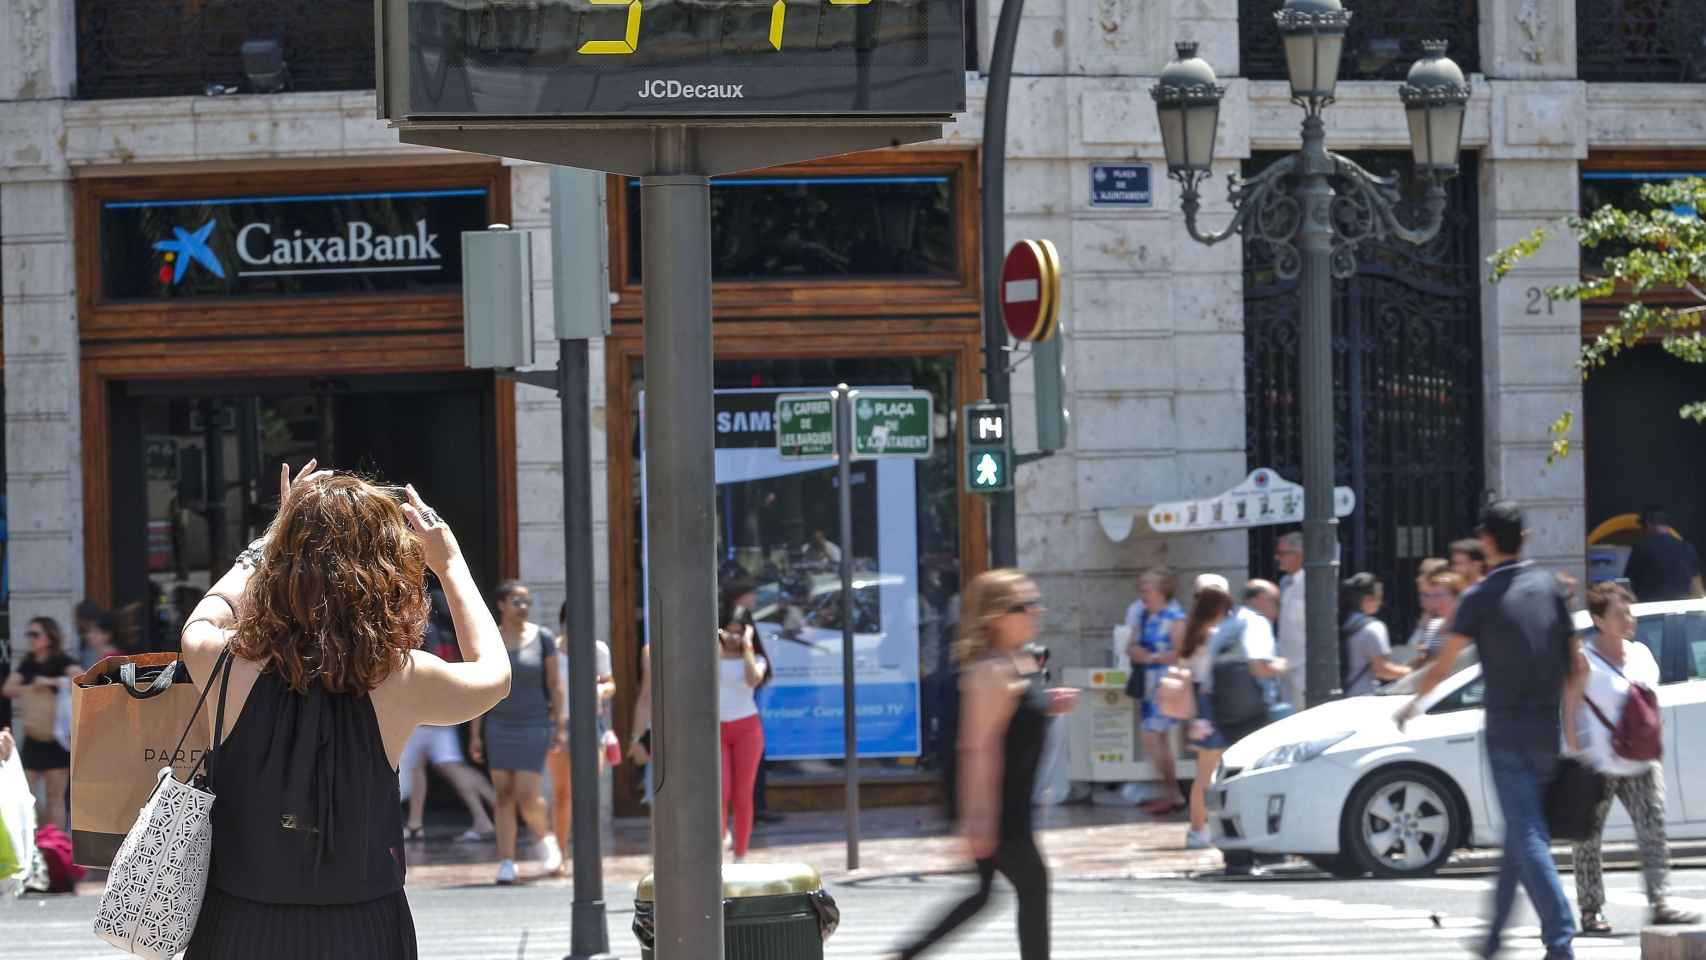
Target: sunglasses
[(34, 634), (1025, 606), (520, 602)]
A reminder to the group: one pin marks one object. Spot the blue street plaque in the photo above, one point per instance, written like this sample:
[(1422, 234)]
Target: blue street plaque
[(1120, 185)]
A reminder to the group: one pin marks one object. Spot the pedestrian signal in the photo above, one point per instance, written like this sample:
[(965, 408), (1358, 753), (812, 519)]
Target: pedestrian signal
[(989, 470)]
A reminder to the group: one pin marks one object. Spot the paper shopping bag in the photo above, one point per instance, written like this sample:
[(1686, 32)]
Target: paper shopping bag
[(128, 714)]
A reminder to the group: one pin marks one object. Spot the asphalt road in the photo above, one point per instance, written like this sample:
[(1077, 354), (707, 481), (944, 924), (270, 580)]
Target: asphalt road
[(1201, 919)]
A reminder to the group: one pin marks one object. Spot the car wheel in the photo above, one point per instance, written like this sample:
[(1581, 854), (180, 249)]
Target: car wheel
[(1337, 864), (1402, 823)]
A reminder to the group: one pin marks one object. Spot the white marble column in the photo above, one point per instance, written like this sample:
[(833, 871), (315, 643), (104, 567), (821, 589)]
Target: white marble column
[(43, 436), (1530, 344), (44, 478)]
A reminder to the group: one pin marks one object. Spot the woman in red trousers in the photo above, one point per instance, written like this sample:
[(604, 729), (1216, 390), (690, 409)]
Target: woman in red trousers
[(742, 669)]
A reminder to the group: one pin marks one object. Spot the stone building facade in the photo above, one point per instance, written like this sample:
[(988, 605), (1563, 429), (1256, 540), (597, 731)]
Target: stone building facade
[(1156, 366)]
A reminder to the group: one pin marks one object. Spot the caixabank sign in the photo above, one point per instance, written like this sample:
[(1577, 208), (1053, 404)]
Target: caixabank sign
[(286, 244)]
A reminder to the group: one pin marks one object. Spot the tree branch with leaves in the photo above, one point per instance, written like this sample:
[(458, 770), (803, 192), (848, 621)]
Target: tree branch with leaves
[(1661, 270)]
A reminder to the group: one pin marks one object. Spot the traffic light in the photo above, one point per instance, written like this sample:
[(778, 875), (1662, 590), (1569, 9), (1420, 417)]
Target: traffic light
[(988, 431)]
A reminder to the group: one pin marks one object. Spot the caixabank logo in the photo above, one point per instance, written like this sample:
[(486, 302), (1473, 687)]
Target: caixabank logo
[(185, 248), (262, 249)]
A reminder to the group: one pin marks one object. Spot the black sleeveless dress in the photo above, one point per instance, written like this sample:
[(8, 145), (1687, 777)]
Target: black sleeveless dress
[(307, 834), (1022, 752)]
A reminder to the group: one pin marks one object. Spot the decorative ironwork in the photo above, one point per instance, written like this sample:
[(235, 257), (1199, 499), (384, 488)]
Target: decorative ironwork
[(1652, 41), (1384, 38), (1407, 382), (159, 48)]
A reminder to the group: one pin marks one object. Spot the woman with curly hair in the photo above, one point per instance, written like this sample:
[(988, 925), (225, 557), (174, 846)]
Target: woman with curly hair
[(313, 640)]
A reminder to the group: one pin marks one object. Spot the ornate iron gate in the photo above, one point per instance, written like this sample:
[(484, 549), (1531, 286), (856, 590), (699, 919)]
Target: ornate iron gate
[(1407, 389)]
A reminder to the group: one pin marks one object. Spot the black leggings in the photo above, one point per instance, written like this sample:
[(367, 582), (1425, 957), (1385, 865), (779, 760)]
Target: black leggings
[(1018, 859)]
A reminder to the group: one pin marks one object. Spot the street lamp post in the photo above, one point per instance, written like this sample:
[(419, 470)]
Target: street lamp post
[(1313, 208)]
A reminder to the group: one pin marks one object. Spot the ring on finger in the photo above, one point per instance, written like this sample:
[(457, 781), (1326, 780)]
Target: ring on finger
[(430, 516)]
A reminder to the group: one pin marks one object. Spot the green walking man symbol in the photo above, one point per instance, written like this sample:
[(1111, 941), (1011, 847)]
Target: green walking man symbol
[(988, 472)]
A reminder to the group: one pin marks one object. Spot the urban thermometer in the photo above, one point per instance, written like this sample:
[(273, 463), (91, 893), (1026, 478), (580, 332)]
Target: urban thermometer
[(622, 58)]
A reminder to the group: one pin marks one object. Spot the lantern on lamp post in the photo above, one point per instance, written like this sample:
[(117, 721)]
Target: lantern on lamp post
[(1313, 208)]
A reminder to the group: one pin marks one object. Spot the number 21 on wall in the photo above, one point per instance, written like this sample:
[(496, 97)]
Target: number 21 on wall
[(630, 41)]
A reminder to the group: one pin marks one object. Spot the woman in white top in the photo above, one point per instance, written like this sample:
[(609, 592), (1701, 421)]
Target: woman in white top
[(1210, 605), (742, 669), (1605, 668)]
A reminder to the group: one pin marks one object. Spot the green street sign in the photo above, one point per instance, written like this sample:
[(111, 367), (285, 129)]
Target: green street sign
[(893, 424), (805, 426), (989, 470)]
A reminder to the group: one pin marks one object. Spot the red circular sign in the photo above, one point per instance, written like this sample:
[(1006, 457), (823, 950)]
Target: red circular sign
[(1026, 291)]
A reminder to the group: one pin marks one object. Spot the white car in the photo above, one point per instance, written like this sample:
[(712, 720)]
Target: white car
[(1341, 785)]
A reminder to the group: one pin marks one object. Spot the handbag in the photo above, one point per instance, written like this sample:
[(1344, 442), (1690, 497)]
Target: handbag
[(1577, 789), (159, 875), (125, 713), (1176, 694)]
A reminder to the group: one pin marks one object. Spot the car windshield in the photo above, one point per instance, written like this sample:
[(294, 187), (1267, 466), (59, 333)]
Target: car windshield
[(1406, 685)]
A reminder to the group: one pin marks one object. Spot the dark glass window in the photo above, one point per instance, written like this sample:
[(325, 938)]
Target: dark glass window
[(1653, 41), (1385, 37), (1622, 189), (823, 228), (164, 48)]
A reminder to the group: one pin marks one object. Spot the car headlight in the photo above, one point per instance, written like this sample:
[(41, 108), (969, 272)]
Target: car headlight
[(1301, 752)]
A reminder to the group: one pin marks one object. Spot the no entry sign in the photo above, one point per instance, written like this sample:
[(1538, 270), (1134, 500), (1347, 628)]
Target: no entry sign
[(1030, 290)]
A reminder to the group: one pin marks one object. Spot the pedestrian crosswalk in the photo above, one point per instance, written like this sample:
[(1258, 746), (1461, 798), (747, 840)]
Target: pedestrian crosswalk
[(1173, 919)]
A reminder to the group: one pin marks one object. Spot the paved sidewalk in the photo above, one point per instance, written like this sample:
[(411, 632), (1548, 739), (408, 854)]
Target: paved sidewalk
[(1079, 841)]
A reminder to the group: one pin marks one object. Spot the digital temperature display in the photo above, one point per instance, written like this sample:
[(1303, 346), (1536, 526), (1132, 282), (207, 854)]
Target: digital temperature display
[(670, 58)]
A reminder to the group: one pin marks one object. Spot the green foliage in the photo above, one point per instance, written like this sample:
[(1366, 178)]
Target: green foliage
[(1657, 259)]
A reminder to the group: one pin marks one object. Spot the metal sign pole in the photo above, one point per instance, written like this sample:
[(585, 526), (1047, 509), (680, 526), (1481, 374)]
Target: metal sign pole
[(849, 700), (589, 937), (675, 210)]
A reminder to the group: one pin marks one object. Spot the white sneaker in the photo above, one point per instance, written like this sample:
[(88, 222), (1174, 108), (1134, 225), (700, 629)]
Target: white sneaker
[(1198, 841), (728, 841), (553, 854), (506, 872)]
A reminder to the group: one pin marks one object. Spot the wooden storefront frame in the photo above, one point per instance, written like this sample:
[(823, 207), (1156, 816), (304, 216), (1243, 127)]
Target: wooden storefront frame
[(236, 338), (956, 340), (834, 298)]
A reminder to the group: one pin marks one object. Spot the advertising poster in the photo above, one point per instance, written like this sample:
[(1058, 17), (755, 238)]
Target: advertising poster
[(778, 527)]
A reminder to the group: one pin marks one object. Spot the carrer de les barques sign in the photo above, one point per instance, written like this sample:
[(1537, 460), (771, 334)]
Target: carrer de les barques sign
[(285, 244)]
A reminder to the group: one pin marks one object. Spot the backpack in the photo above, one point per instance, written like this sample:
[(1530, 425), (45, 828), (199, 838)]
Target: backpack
[(1639, 732), (1351, 627), (1238, 699)]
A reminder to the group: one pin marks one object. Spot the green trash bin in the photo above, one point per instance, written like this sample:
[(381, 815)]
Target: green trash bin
[(771, 911)]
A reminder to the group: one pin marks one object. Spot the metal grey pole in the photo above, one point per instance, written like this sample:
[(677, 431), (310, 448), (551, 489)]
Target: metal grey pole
[(1315, 370), (589, 936), (849, 680), (675, 209), (1003, 514)]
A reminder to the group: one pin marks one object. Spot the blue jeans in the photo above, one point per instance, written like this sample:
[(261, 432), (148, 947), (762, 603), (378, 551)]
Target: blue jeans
[(1521, 777)]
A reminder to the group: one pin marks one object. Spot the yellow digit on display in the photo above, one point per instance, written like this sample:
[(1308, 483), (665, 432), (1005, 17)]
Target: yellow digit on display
[(778, 13), (631, 37), (849, 3)]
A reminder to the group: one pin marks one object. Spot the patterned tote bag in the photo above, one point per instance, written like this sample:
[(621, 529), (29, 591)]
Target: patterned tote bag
[(159, 875)]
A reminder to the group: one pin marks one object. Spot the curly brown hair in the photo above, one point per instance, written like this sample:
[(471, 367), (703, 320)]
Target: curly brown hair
[(339, 596)]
